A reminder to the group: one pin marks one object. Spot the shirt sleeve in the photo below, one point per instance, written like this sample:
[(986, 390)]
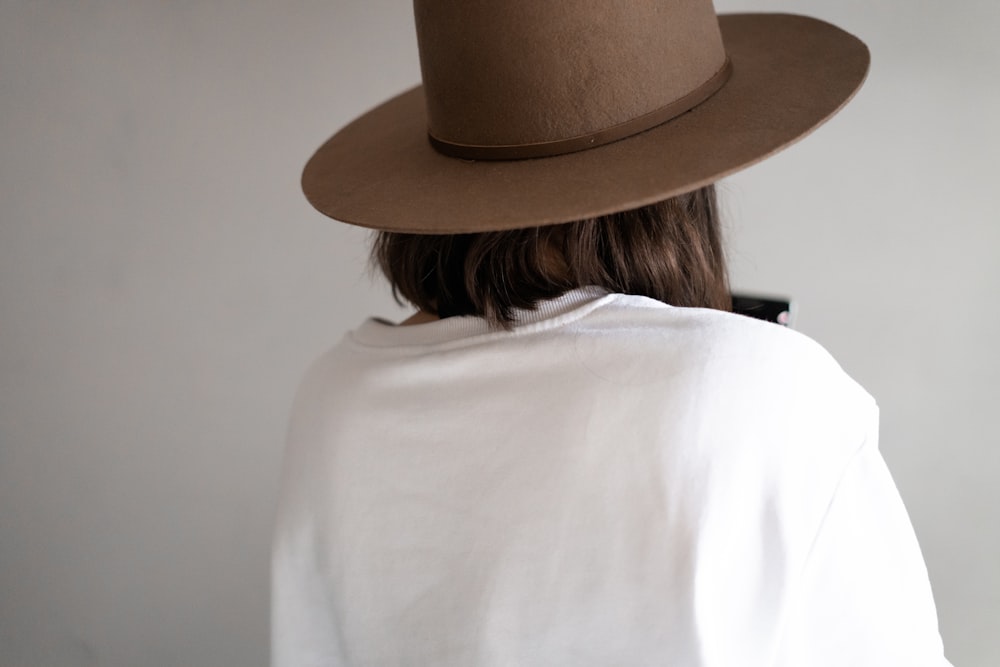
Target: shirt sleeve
[(303, 629), (863, 597)]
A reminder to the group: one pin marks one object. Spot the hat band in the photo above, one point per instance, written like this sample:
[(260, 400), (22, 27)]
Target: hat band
[(582, 142)]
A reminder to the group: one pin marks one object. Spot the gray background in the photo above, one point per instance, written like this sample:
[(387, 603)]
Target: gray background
[(163, 285)]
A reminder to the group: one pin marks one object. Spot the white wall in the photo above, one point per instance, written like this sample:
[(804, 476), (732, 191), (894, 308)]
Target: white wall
[(163, 284)]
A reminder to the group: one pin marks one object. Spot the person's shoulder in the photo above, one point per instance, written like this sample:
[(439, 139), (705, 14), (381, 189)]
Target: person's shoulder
[(321, 385), (742, 353), (715, 329), (768, 401)]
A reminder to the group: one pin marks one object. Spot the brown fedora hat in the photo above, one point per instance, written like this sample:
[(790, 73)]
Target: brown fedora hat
[(534, 113)]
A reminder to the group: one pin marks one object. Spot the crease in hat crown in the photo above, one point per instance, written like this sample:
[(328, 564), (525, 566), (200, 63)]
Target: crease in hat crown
[(533, 78)]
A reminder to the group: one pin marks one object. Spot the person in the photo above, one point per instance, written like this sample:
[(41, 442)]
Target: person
[(573, 454)]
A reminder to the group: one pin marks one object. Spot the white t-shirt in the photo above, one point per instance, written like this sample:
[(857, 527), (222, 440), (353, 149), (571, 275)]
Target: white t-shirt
[(615, 482)]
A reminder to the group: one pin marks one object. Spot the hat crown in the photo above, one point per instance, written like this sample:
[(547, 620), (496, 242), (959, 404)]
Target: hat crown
[(546, 72)]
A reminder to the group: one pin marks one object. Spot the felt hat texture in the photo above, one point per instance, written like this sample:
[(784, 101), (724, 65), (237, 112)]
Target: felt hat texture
[(534, 113)]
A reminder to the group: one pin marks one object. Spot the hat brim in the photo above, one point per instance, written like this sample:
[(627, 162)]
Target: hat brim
[(790, 74)]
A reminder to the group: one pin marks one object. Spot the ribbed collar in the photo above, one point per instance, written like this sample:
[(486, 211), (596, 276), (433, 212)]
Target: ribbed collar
[(375, 332)]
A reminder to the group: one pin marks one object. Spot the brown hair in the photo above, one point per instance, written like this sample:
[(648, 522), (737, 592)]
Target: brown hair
[(670, 251)]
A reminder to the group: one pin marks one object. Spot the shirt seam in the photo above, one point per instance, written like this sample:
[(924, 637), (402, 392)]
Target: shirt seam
[(779, 635)]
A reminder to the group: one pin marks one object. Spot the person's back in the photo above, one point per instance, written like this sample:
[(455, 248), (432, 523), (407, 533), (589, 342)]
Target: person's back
[(548, 464), (615, 481)]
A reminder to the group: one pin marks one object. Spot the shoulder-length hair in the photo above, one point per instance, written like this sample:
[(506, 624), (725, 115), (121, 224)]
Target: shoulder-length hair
[(670, 251)]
